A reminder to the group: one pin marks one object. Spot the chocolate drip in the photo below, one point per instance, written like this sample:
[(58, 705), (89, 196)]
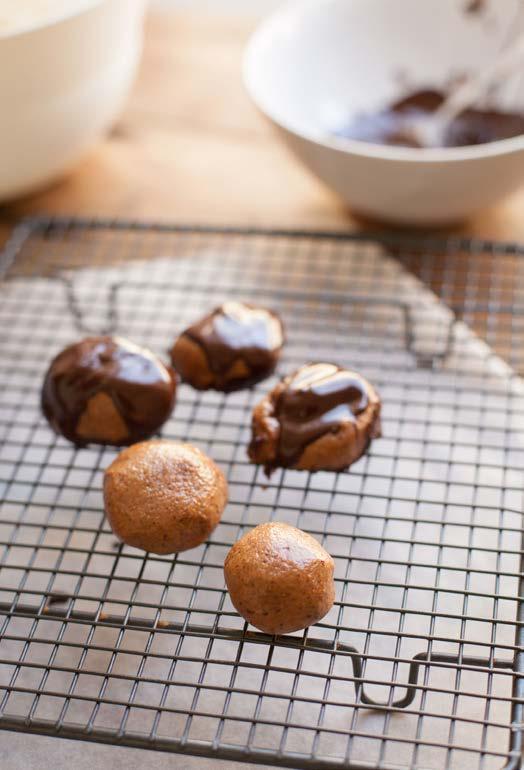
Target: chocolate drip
[(394, 124), (314, 401), (239, 331), (108, 391), (475, 6), (58, 597)]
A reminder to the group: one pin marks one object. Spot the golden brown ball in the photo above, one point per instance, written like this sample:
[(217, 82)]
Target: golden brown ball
[(164, 496), (280, 579)]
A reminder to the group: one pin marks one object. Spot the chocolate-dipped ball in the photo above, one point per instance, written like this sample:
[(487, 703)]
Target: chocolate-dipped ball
[(233, 347), (163, 496), (280, 579), (106, 390), (321, 417)]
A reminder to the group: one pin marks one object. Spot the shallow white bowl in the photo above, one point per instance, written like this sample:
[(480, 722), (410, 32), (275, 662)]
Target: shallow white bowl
[(315, 63), (62, 84)]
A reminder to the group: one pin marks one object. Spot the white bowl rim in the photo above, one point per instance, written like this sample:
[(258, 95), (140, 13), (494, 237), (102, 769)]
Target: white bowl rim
[(51, 20), (341, 144)]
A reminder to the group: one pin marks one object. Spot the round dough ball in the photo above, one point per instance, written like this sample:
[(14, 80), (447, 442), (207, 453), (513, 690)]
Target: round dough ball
[(234, 346), (320, 417), (280, 579), (107, 390), (164, 496)]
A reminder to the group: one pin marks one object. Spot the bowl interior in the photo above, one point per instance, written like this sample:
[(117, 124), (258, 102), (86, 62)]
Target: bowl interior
[(315, 64)]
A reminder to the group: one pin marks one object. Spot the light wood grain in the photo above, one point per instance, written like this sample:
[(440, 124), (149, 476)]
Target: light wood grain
[(191, 147)]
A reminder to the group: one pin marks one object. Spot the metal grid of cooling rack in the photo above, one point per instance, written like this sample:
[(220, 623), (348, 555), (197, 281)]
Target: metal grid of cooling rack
[(419, 663)]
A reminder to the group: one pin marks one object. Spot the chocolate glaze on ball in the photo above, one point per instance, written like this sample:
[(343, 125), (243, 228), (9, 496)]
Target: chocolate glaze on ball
[(320, 417), (106, 390), (235, 346)]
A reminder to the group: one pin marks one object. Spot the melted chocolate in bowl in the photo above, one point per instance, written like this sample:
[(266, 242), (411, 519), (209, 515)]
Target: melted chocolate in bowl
[(107, 390), (394, 125), (316, 399), (235, 331)]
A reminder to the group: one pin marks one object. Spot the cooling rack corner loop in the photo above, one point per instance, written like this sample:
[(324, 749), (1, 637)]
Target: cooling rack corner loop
[(110, 324), (424, 357)]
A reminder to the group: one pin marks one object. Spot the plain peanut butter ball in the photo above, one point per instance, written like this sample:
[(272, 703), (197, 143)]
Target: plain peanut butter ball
[(280, 579), (164, 496)]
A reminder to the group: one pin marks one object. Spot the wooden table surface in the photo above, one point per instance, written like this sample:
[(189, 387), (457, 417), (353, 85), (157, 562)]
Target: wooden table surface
[(191, 147)]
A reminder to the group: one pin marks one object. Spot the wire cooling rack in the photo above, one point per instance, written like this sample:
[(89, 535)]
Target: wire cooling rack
[(419, 663)]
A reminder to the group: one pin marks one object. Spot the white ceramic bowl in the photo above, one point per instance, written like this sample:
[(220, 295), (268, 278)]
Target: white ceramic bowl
[(315, 63), (62, 84)]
